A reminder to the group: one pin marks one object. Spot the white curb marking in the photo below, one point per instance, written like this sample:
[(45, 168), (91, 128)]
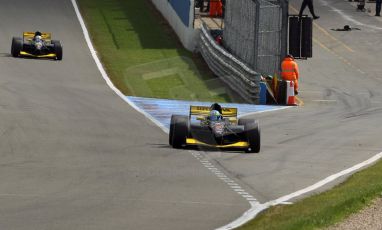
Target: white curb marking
[(103, 72), (257, 207), (219, 174)]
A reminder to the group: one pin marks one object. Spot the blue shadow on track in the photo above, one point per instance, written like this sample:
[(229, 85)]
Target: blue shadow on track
[(162, 109)]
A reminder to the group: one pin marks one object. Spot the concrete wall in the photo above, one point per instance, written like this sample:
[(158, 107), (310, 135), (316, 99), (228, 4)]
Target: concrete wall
[(174, 11)]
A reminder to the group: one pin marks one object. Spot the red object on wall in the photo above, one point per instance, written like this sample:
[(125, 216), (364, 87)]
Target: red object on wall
[(219, 40), (216, 8)]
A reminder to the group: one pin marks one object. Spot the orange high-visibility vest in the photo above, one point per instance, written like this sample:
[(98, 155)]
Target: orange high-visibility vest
[(289, 69)]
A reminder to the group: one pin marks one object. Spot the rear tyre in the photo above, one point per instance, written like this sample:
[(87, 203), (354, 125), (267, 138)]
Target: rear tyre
[(180, 131), (17, 46), (57, 49), (252, 133)]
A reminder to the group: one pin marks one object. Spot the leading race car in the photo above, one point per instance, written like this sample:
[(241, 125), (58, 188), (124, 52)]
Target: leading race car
[(214, 127), (37, 45)]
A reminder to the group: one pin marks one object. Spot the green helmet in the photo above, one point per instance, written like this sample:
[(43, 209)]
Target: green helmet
[(215, 115)]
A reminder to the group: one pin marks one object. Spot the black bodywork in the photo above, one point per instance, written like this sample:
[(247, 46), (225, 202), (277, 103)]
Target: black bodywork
[(217, 132), (30, 47)]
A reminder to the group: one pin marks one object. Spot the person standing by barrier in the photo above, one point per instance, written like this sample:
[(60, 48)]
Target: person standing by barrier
[(378, 4), (289, 71), (308, 3)]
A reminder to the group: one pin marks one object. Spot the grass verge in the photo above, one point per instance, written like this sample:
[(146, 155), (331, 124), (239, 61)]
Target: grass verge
[(142, 55), (327, 208)]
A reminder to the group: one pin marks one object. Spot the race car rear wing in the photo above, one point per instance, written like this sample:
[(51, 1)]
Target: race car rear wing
[(205, 110), (30, 35)]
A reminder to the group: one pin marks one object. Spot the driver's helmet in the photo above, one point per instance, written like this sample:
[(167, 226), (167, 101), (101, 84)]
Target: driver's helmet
[(38, 38), (37, 33), (215, 115)]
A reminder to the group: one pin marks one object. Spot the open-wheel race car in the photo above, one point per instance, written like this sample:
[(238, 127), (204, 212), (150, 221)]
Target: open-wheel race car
[(214, 126), (37, 45)]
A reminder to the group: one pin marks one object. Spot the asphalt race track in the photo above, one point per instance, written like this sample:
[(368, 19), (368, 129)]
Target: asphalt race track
[(76, 156)]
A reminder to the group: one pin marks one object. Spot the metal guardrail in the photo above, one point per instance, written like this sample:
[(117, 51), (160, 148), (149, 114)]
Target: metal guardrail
[(237, 75)]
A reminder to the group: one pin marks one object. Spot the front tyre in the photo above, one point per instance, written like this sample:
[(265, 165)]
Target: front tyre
[(172, 126), (57, 49), (17, 46), (180, 131), (252, 134)]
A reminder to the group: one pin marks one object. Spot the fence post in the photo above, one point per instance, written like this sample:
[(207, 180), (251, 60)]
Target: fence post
[(257, 25), (284, 34)]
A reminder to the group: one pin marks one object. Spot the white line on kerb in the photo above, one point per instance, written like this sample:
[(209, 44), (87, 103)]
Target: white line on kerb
[(234, 186), (103, 72), (256, 207)]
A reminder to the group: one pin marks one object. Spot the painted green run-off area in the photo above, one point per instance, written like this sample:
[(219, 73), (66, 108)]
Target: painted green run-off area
[(142, 55), (327, 208)]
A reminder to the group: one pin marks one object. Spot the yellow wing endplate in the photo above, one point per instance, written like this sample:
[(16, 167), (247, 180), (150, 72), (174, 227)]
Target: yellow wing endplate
[(30, 35), (239, 144), (205, 110), (50, 55)]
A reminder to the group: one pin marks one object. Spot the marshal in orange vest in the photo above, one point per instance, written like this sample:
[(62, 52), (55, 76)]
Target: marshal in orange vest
[(289, 71)]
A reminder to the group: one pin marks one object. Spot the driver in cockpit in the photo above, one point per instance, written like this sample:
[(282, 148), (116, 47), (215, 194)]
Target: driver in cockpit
[(215, 112), (215, 116), (37, 36), (37, 39)]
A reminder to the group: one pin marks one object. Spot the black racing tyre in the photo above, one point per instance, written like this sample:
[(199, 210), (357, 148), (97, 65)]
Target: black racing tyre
[(17, 46), (180, 131), (252, 133), (57, 49), (172, 125)]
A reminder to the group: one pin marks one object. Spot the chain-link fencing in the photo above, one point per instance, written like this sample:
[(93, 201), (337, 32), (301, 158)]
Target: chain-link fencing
[(255, 31)]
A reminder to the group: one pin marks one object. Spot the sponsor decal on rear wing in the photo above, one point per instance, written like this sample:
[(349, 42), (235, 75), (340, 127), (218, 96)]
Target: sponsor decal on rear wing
[(205, 110), (30, 35)]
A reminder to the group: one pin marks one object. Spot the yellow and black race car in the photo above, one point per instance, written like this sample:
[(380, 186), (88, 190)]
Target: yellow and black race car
[(214, 126), (37, 45)]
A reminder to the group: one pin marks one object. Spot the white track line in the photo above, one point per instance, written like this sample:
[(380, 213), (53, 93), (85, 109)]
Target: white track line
[(103, 72), (202, 158), (256, 207)]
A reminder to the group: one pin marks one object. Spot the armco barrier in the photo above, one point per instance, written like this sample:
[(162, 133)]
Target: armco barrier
[(238, 76), (175, 13)]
